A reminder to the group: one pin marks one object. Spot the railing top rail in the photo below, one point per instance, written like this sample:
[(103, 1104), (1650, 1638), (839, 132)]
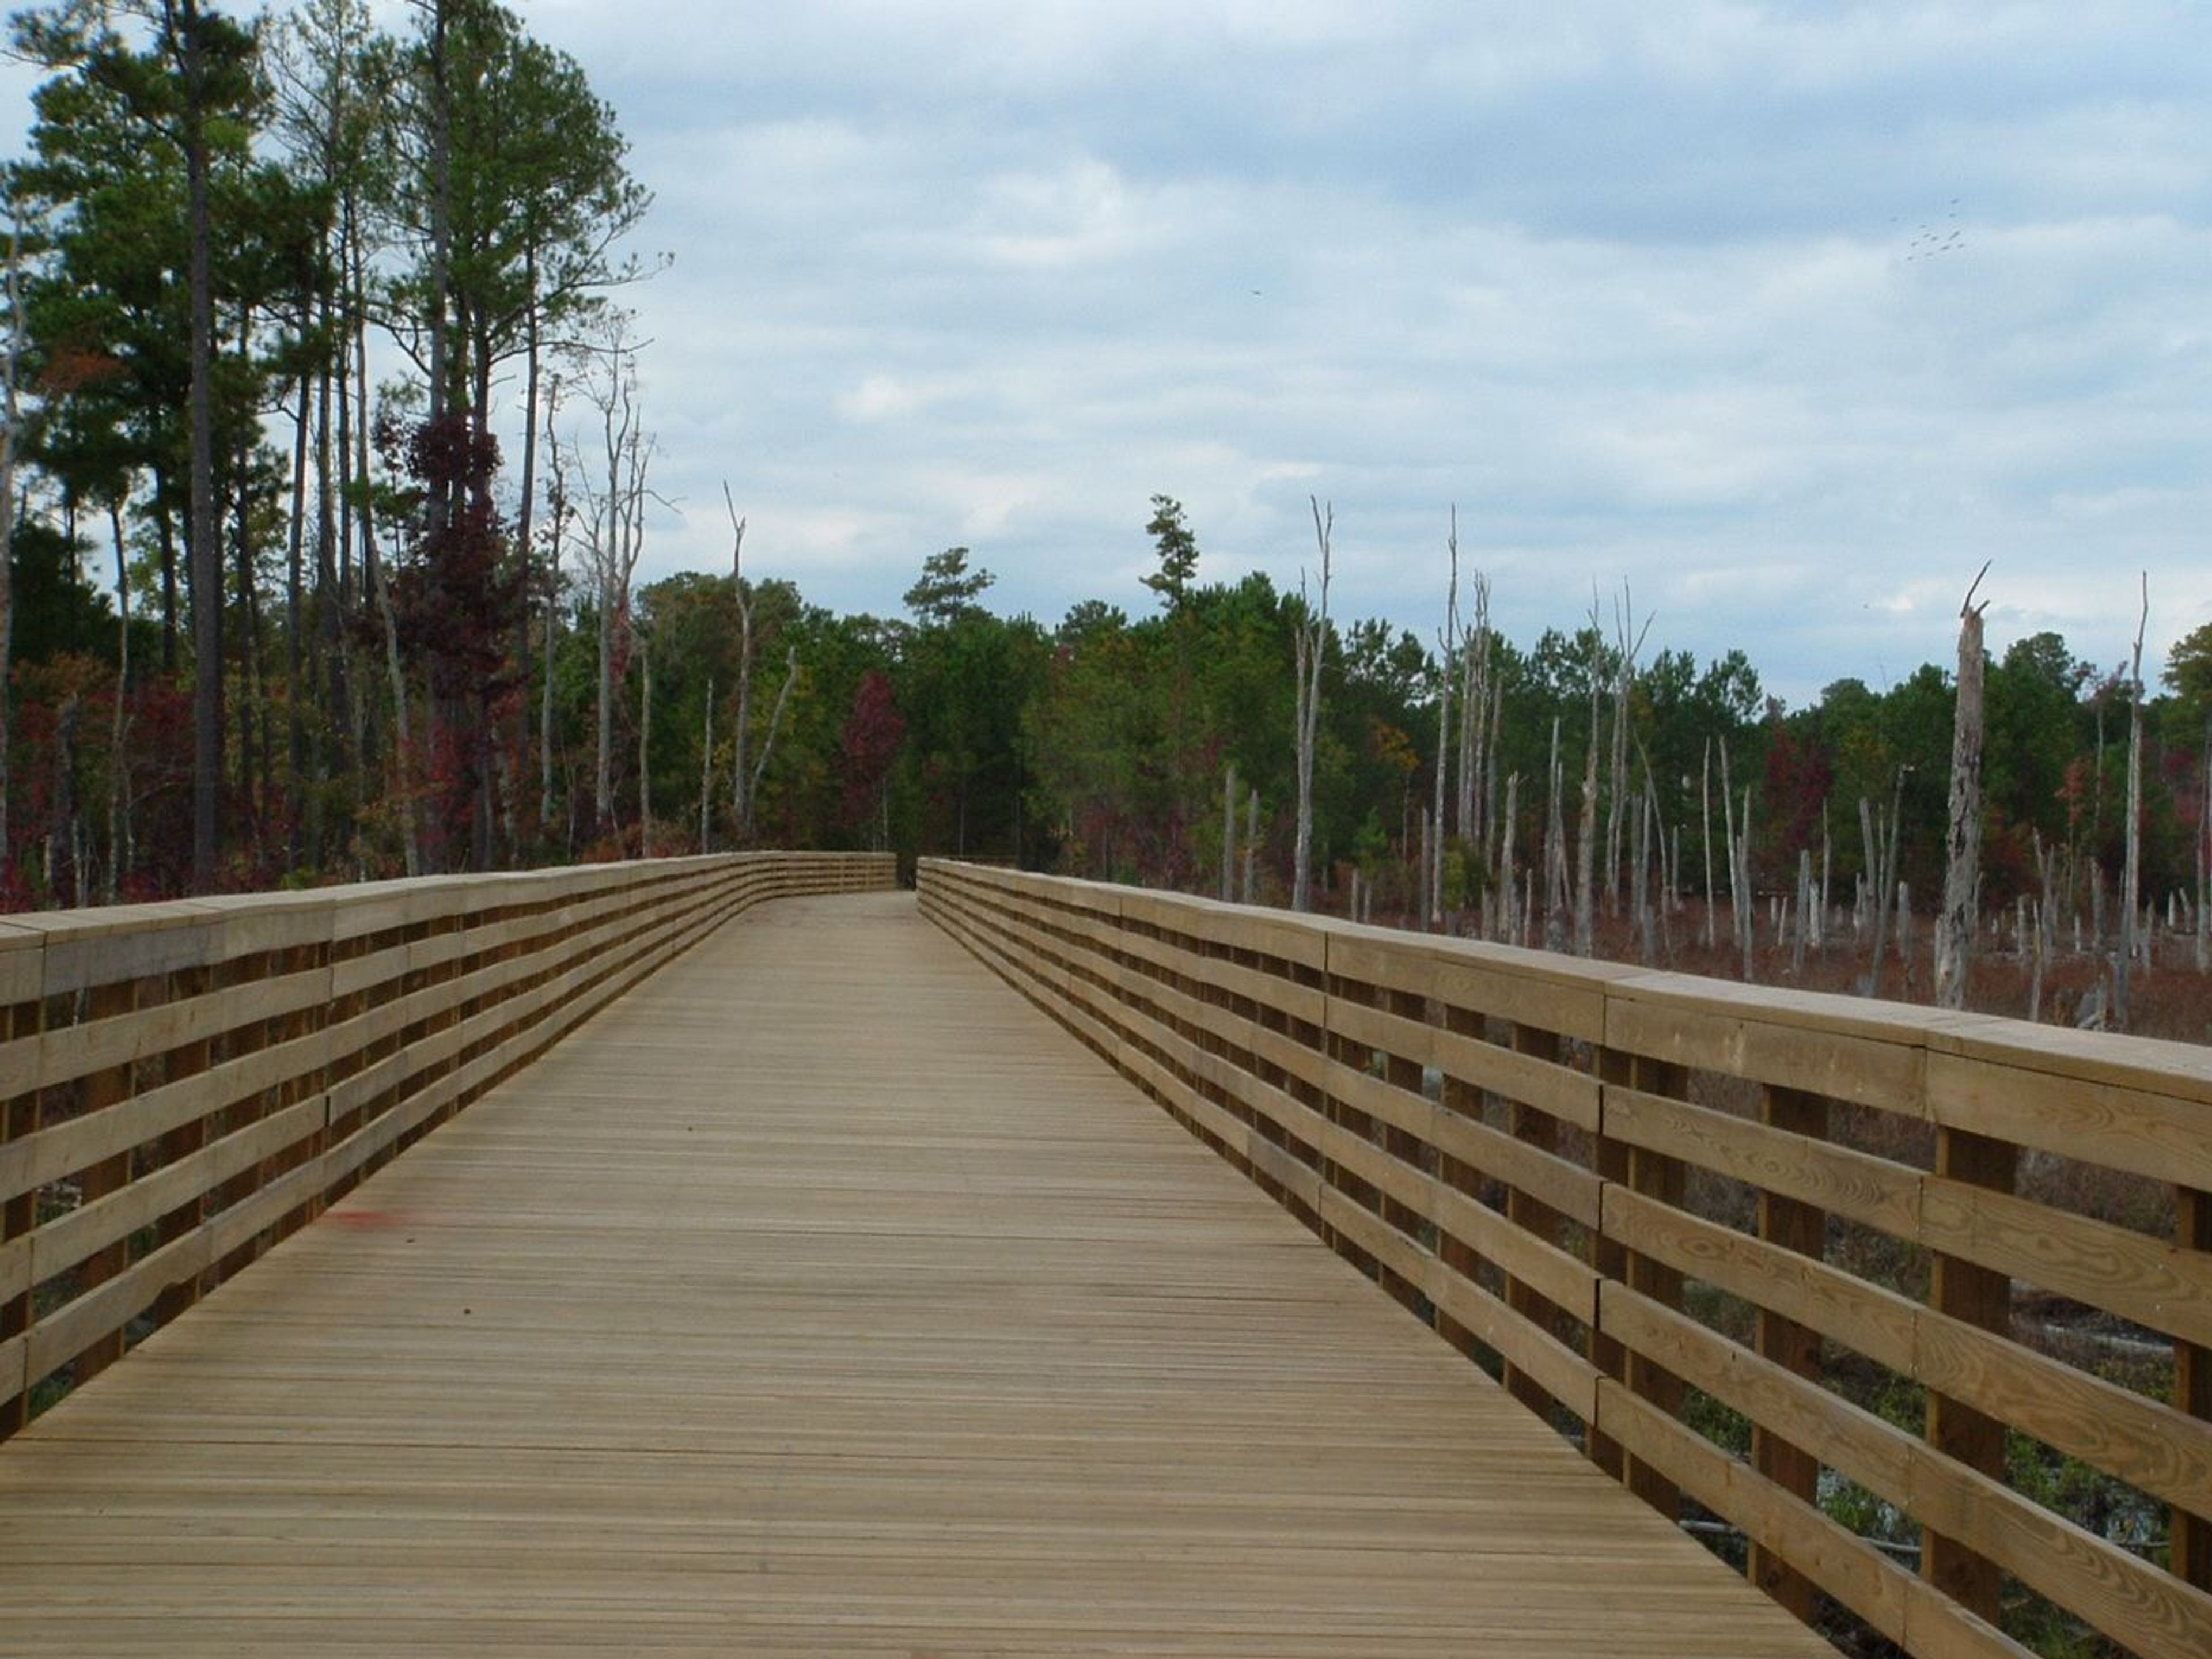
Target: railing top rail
[(1760, 1243), (182, 1082)]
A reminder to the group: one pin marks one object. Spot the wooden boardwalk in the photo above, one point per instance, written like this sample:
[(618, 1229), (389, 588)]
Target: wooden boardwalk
[(821, 1297)]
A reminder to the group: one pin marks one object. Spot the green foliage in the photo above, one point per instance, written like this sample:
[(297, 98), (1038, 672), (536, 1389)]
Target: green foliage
[(2188, 676), (947, 590), (1178, 551)]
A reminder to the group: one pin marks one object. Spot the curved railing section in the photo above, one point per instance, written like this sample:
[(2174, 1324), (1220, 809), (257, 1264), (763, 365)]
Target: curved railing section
[(1914, 1309), (182, 1084)]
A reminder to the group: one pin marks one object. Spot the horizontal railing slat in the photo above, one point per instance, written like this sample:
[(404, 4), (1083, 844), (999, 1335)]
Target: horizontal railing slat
[(234, 1063), (1544, 1208)]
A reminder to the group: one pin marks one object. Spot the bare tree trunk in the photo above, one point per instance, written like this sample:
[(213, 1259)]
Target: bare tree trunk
[(1804, 913), (2131, 879), (1747, 915), (1434, 915), (1884, 884), (614, 528), (645, 750), (118, 761), (1252, 848), (360, 515), (1629, 644), (1422, 900), (1956, 928), (1477, 691), (403, 750), (9, 416), (1737, 898), (707, 772), (295, 603), (525, 521), (1705, 836), (1311, 641), (741, 812), (441, 213), (1872, 851), (1491, 743), (2204, 863), (558, 505), (1820, 917), (1505, 872), (1586, 833), (775, 725), (603, 777), (1229, 834), (1639, 887), (1555, 857), (205, 573)]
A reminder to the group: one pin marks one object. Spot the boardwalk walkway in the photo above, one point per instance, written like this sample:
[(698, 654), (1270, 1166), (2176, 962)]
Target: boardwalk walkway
[(821, 1297)]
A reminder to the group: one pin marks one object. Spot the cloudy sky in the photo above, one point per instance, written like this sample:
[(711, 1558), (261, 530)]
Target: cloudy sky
[(1789, 316)]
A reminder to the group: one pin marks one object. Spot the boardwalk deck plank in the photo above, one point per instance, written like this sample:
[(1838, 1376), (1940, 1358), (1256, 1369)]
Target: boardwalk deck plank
[(821, 1297)]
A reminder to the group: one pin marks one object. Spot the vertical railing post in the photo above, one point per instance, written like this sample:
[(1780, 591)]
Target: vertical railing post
[(19, 1119), (1539, 1130), (2191, 1533), (180, 1063), (1658, 1176), (96, 1092), (1461, 1099), (1791, 1224), (1335, 1177), (1407, 1147), (1979, 1296)]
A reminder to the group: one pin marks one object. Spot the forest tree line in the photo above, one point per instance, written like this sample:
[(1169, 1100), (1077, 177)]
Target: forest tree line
[(290, 598)]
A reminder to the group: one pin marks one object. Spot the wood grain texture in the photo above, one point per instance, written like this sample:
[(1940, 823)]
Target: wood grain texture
[(824, 1298), (1463, 1219), (110, 1207)]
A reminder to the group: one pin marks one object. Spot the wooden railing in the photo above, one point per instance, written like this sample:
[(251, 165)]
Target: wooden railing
[(183, 1084), (1863, 1282)]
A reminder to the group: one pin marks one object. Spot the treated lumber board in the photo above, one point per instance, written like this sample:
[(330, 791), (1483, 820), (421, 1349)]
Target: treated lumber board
[(1561, 1278), (1853, 1441), (52, 1153), (1869, 1054), (372, 970), (1558, 1183), (2148, 1611), (1303, 1003), (67, 1331), (2092, 1058), (2159, 1133), (1564, 1092), (19, 1064), (352, 1093), (23, 971), (69, 1052), (85, 948), (1788, 1224), (1528, 987), (1831, 1557), (2148, 1280), (1526, 1348), (1964, 1290), (2143, 1442), (68, 1239), (1299, 941), (1878, 1323), (1378, 1098), (249, 924), (1865, 1189)]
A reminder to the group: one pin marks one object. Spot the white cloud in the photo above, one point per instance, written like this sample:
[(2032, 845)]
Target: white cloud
[(1644, 290)]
